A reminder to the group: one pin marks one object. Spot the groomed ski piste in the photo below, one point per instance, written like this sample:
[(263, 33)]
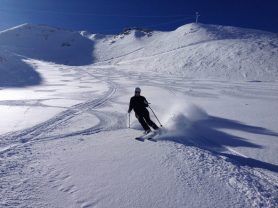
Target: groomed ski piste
[(65, 140)]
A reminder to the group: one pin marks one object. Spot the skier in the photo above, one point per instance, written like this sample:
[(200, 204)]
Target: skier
[(139, 103)]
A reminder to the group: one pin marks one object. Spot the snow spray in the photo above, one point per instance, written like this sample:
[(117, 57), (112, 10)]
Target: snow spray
[(180, 118)]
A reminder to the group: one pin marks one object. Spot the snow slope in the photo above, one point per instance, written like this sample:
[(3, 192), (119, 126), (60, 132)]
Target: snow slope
[(196, 51), (191, 51), (39, 42), (16, 73), (47, 43), (65, 142)]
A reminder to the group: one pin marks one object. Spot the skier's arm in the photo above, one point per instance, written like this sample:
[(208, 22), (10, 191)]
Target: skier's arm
[(146, 102), (130, 106)]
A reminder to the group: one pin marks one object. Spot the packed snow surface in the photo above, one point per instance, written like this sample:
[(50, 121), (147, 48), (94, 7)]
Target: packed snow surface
[(65, 140)]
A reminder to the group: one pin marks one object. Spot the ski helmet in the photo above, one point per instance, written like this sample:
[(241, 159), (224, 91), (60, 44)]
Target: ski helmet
[(137, 89)]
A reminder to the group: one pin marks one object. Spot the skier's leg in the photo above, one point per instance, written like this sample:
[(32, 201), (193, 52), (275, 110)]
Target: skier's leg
[(143, 122), (149, 121)]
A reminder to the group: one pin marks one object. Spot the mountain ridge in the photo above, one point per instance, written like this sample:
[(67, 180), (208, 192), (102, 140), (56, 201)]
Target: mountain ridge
[(191, 51)]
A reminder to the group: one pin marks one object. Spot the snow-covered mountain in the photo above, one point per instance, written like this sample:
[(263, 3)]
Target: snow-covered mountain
[(65, 139), (39, 42), (196, 51), (47, 43), (191, 51)]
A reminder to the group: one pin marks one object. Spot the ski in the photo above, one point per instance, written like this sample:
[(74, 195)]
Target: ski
[(150, 136), (152, 139), (143, 139), (140, 139)]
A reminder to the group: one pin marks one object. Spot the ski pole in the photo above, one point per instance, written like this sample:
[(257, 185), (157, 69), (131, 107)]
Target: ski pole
[(155, 115), (128, 120)]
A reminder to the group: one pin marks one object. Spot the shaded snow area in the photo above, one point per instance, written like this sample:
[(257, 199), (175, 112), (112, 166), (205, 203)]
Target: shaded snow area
[(65, 140)]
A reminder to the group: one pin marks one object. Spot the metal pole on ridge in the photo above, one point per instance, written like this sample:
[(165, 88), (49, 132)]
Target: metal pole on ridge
[(197, 16), (155, 115)]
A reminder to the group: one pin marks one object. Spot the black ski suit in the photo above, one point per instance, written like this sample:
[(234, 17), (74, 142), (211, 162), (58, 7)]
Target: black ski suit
[(139, 104)]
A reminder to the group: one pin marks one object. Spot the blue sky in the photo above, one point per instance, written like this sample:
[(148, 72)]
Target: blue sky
[(111, 16)]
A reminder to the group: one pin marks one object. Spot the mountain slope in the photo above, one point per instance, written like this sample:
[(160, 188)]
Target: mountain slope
[(219, 152), (197, 51), (39, 42), (65, 141), (191, 51), (48, 43)]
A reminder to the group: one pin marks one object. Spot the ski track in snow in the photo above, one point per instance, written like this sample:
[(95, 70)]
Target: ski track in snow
[(35, 132), (15, 142), (259, 187)]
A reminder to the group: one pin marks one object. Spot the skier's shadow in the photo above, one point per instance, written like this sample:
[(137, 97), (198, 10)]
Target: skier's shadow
[(206, 134)]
